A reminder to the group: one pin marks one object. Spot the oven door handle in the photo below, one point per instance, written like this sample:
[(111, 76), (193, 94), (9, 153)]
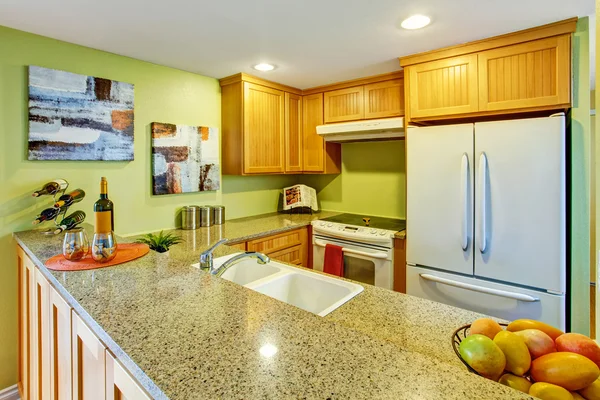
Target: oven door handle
[(356, 252)]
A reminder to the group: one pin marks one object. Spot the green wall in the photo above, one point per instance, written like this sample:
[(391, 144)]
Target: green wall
[(372, 181), (161, 94), (581, 151)]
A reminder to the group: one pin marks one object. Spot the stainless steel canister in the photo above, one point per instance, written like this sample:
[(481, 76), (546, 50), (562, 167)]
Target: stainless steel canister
[(206, 216), (219, 215), (190, 217)]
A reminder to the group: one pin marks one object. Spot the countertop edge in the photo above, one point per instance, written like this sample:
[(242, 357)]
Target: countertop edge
[(137, 373)]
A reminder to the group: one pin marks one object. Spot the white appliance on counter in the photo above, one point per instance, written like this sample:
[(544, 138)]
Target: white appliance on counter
[(486, 214), (368, 250)]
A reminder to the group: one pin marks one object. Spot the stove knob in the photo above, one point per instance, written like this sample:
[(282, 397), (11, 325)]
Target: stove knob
[(329, 225), (373, 231), (382, 233), (322, 224)]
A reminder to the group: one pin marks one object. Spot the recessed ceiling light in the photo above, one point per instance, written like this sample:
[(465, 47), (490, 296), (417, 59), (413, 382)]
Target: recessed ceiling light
[(268, 350), (416, 22), (264, 67)]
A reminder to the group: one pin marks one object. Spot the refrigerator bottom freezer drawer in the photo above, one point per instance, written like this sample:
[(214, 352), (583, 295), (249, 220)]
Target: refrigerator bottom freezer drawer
[(494, 299)]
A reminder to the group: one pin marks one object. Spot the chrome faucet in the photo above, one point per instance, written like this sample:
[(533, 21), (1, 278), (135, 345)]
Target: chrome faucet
[(206, 259)]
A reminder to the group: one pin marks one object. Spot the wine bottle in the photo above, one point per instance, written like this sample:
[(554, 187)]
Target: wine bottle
[(70, 221), (48, 214), (70, 198), (51, 188), (104, 210)]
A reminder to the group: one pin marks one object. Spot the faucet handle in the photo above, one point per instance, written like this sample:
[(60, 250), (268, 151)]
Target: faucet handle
[(206, 257)]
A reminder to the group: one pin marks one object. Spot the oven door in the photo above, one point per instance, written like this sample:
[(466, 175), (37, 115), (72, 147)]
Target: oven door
[(364, 263)]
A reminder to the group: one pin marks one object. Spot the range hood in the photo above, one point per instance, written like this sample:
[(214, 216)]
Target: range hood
[(361, 131)]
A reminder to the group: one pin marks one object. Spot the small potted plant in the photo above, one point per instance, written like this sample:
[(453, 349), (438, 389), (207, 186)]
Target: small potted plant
[(161, 242)]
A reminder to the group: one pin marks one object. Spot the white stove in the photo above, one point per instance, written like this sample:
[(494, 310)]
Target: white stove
[(367, 244)]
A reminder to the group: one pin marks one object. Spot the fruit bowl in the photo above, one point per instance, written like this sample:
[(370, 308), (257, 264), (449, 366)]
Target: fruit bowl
[(458, 337)]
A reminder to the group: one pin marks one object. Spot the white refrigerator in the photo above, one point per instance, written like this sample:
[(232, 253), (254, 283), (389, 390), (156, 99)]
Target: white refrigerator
[(486, 217)]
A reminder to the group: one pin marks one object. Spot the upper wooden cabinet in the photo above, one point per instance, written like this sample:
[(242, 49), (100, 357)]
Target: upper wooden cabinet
[(293, 133), (531, 74), (344, 105), (384, 99), (524, 71), (266, 130), (443, 87), (264, 140)]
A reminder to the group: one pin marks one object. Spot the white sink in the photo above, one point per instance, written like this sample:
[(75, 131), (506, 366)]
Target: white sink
[(247, 271), (316, 293), (312, 292)]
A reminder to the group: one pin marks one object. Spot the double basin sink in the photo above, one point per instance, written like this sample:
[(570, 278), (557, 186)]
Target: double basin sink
[(316, 293)]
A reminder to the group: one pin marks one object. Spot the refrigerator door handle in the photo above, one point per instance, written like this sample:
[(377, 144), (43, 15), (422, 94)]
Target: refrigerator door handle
[(480, 289), (464, 180), (482, 218)]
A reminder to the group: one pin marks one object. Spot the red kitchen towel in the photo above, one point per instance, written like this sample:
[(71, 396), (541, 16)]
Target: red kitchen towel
[(334, 260)]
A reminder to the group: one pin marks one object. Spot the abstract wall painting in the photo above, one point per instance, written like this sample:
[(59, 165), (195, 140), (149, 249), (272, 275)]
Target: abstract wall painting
[(185, 159), (79, 117)]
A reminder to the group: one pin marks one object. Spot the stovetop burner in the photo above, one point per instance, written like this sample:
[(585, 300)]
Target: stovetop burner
[(391, 224)]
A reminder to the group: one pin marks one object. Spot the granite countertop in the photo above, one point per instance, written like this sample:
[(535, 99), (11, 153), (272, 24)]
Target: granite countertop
[(187, 335)]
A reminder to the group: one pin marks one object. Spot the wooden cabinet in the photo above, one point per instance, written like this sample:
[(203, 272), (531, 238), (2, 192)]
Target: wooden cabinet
[(61, 382), (264, 139), (384, 99), (89, 362), (268, 130), (291, 247), (400, 265), (344, 105), (119, 384), (42, 331), (314, 145), (532, 74), (60, 358), (443, 87), (240, 246), (520, 72), (27, 342), (293, 133)]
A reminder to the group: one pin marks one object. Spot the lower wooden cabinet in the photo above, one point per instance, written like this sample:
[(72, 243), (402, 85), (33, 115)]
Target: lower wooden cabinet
[(60, 358), (400, 265), (119, 384), (290, 247)]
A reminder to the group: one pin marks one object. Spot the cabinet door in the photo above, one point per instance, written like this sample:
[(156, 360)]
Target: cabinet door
[(89, 362), (313, 144), (42, 311), (60, 348), (119, 384), (344, 105), (384, 99), (532, 74), (443, 87), (292, 255), (26, 281), (264, 140), (293, 133), (274, 243)]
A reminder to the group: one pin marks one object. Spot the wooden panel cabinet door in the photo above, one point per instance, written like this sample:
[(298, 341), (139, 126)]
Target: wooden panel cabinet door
[(344, 105), (443, 87), (313, 144), (26, 281), (292, 255), (60, 348), (264, 138), (532, 74), (293, 133), (119, 384), (42, 312), (384, 99), (89, 362)]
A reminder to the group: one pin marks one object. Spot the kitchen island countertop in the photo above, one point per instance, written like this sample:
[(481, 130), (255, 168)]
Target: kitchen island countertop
[(184, 334)]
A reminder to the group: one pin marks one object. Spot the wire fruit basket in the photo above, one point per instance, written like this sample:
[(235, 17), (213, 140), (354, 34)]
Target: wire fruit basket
[(458, 336)]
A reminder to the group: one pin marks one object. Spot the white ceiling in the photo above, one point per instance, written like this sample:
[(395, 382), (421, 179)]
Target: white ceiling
[(312, 42)]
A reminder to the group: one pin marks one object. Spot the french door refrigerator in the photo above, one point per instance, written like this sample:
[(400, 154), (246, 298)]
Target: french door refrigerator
[(486, 217)]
